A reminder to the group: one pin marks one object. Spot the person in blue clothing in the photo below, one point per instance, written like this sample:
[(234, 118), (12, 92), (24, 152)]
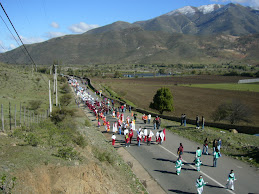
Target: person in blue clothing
[(216, 155)]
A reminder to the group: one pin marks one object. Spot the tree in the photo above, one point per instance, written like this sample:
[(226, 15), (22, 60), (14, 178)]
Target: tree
[(162, 101), (232, 112), (117, 74)]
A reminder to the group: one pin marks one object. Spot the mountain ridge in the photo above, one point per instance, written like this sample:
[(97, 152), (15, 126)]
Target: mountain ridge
[(163, 39)]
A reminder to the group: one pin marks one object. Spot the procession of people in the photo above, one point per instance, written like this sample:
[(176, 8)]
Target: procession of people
[(108, 115)]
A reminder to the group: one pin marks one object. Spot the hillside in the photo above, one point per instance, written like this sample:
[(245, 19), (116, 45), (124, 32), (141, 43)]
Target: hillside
[(48, 156)]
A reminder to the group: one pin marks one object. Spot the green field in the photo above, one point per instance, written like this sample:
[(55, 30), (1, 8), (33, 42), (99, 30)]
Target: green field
[(228, 86)]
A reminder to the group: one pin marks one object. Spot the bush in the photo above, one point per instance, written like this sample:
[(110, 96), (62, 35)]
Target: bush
[(32, 140), (18, 133), (67, 153), (59, 115), (65, 88), (34, 104), (65, 99), (80, 141), (104, 156), (232, 112), (87, 123)]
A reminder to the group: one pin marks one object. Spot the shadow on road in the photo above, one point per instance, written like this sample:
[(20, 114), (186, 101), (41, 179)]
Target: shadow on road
[(214, 186), (166, 172), (178, 191), (164, 160)]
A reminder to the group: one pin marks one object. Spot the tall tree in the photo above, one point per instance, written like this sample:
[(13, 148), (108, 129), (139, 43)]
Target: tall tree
[(162, 101), (232, 112)]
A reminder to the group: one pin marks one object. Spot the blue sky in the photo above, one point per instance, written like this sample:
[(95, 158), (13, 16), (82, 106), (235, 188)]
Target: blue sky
[(40, 20)]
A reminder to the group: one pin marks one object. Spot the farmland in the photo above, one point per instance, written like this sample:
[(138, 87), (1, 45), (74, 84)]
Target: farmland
[(229, 86), (189, 100)]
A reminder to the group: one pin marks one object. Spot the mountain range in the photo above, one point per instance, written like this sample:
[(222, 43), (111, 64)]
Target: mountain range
[(207, 34)]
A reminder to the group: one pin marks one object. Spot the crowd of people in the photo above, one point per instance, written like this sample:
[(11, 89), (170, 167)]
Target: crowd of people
[(126, 125)]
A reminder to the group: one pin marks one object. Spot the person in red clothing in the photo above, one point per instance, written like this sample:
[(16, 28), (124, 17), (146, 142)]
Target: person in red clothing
[(180, 150), (164, 133), (113, 139), (131, 135)]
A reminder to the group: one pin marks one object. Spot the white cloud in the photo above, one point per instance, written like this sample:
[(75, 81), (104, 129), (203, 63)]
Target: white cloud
[(12, 46), (251, 3), (54, 34), (54, 25), (82, 27), (31, 40)]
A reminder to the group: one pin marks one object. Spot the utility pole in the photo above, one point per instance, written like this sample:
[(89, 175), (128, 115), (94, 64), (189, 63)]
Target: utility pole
[(56, 76), (2, 114), (50, 102)]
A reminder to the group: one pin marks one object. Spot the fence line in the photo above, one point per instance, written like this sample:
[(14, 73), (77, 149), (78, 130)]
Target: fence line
[(29, 117)]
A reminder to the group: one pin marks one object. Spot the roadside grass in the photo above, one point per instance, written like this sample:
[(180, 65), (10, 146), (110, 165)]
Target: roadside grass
[(227, 86), (239, 146)]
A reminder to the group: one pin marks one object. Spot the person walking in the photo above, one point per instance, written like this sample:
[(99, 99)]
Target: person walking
[(184, 120), (113, 139), (198, 164), (139, 139), (127, 139), (178, 165), (198, 152), (154, 123), (149, 118), (202, 122), (214, 145), (216, 155), (181, 119), (219, 143), (199, 184), (197, 122), (231, 179), (180, 150), (205, 146)]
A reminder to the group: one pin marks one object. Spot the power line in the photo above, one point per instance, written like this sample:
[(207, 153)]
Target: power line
[(12, 35), (18, 35)]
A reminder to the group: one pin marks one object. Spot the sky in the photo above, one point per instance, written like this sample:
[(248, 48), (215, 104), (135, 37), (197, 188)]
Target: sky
[(40, 20)]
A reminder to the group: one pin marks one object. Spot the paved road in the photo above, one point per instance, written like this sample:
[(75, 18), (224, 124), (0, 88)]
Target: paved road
[(159, 160)]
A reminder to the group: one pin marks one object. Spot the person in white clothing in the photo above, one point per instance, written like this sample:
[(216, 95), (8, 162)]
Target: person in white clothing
[(162, 135), (231, 179), (199, 184)]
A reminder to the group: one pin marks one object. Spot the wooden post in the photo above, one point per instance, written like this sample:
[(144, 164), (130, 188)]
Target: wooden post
[(33, 121), (10, 117), (20, 113), (50, 102), (2, 115), (15, 116), (24, 115), (56, 77)]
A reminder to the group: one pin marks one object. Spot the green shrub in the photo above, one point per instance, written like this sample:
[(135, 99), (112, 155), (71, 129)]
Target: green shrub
[(67, 153), (59, 115), (18, 133), (87, 123), (65, 99), (65, 88), (34, 104), (103, 156), (80, 141), (32, 140)]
